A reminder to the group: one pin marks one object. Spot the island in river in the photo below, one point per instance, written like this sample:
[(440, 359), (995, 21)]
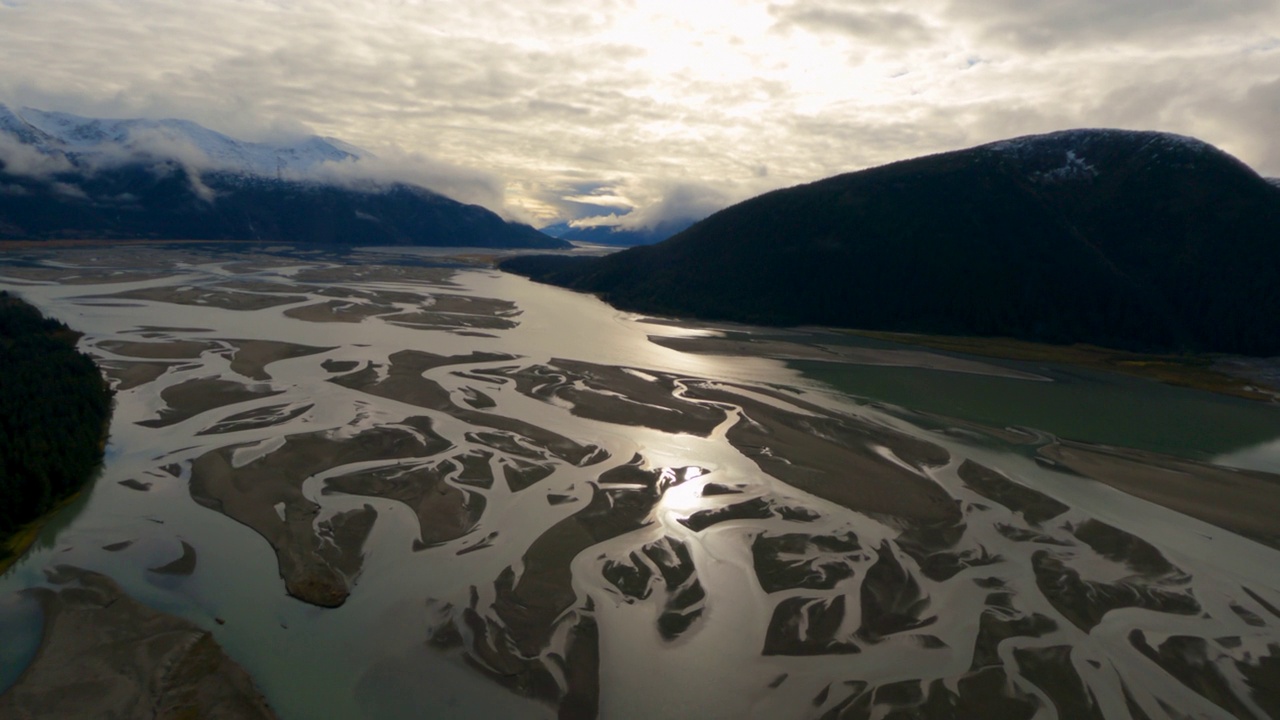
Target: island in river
[(386, 487)]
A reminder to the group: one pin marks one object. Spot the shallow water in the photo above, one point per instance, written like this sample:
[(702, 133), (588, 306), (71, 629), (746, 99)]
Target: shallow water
[(371, 656)]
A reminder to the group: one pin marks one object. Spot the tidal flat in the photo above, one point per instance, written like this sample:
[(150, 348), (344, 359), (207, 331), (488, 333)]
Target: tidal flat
[(391, 488)]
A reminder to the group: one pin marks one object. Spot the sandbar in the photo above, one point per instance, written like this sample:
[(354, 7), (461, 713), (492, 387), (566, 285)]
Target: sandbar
[(851, 355), (253, 356), (106, 655), (838, 458), (171, 350), (192, 397), (207, 297), (1245, 502), (318, 561)]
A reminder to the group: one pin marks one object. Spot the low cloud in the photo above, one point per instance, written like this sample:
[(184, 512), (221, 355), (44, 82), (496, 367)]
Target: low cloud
[(677, 204), (18, 158), (453, 181)]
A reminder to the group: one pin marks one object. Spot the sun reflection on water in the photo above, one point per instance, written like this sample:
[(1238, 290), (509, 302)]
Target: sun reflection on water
[(681, 490)]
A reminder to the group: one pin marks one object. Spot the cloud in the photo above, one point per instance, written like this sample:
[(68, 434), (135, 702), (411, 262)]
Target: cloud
[(878, 25), (18, 158), (530, 109), (677, 204), (453, 181), (1038, 25)]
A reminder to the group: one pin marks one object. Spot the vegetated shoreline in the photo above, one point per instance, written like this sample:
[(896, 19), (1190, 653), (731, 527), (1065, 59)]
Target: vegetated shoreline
[(13, 548), (43, 368), (1198, 371), (1212, 372)]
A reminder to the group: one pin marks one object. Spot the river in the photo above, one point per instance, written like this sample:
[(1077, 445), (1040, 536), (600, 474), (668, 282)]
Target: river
[(765, 610)]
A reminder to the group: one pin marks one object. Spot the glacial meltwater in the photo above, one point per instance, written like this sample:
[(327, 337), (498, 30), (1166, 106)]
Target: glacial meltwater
[(415, 489)]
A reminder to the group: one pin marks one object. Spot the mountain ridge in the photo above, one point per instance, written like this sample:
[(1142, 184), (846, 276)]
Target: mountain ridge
[(85, 137), (1127, 239), (66, 176)]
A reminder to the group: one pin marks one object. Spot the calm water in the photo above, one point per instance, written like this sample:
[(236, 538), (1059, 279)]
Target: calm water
[(370, 658)]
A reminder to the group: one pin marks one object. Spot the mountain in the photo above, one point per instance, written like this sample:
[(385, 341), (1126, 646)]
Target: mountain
[(616, 235), (96, 139), (1135, 240), (65, 176)]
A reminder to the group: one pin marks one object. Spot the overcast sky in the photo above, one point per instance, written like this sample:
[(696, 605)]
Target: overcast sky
[(558, 109)]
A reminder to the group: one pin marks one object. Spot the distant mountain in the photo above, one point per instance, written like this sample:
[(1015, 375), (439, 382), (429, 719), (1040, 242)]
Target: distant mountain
[(65, 176), (95, 139), (616, 235), (1135, 240)]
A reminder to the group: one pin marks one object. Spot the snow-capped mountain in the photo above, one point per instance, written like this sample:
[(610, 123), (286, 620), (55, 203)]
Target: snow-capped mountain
[(89, 139), (65, 176)]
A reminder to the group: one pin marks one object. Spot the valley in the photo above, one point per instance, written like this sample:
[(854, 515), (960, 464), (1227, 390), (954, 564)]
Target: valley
[(392, 485)]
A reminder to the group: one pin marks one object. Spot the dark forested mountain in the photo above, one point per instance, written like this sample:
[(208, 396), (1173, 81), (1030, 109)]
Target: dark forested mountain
[(54, 408), (168, 201), (66, 176), (1135, 240)]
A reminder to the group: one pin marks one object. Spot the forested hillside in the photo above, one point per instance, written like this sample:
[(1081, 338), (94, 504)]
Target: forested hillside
[(1134, 240), (54, 410)]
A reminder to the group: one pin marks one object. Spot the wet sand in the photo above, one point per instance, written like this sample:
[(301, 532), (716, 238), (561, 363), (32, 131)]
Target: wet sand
[(171, 350), (106, 655), (807, 348), (319, 562), (839, 459), (339, 311), (766, 550), (252, 357), (211, 296), (424, 312), (444, 511), (128, 375), (1241, 501), (625, 396), (81, 276), (404, 382), (184, 565), (192, 397)]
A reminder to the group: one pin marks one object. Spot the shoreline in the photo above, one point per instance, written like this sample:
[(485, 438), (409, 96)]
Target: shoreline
[(1195, 371), (21, 541)]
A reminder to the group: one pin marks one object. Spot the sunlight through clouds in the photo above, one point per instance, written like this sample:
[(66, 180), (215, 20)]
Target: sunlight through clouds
[(736, 98)]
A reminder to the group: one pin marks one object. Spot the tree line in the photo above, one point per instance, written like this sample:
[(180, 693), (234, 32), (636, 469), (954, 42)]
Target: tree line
[(55, 407)]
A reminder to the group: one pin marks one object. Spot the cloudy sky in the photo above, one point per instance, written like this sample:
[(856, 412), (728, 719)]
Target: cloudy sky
[(552, 110)]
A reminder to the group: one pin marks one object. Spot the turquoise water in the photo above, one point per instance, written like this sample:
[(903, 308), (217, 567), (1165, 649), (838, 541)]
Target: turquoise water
[(1079, 405)]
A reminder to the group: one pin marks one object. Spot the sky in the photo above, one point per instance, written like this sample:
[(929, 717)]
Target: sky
[(586, 110)]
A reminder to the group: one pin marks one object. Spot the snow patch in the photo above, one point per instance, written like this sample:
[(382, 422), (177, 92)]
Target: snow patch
[(97, 141), (1075, 169)]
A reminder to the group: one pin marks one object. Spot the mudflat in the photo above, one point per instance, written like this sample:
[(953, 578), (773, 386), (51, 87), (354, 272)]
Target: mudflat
[(106, 655), (1241, 501)]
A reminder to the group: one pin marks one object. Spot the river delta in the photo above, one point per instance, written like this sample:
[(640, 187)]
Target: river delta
[(393, 486)]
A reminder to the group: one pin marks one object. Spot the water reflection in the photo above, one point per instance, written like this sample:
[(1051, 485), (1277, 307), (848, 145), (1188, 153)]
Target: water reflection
[(599, 523)]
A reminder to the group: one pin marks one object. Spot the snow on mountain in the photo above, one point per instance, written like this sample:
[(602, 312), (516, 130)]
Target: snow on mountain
[(1081, 155), (1075, 140), (1273, 181), (98, 139)]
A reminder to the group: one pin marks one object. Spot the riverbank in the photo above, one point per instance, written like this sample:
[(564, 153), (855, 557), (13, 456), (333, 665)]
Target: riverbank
[(15, 546), (1226, 375)]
